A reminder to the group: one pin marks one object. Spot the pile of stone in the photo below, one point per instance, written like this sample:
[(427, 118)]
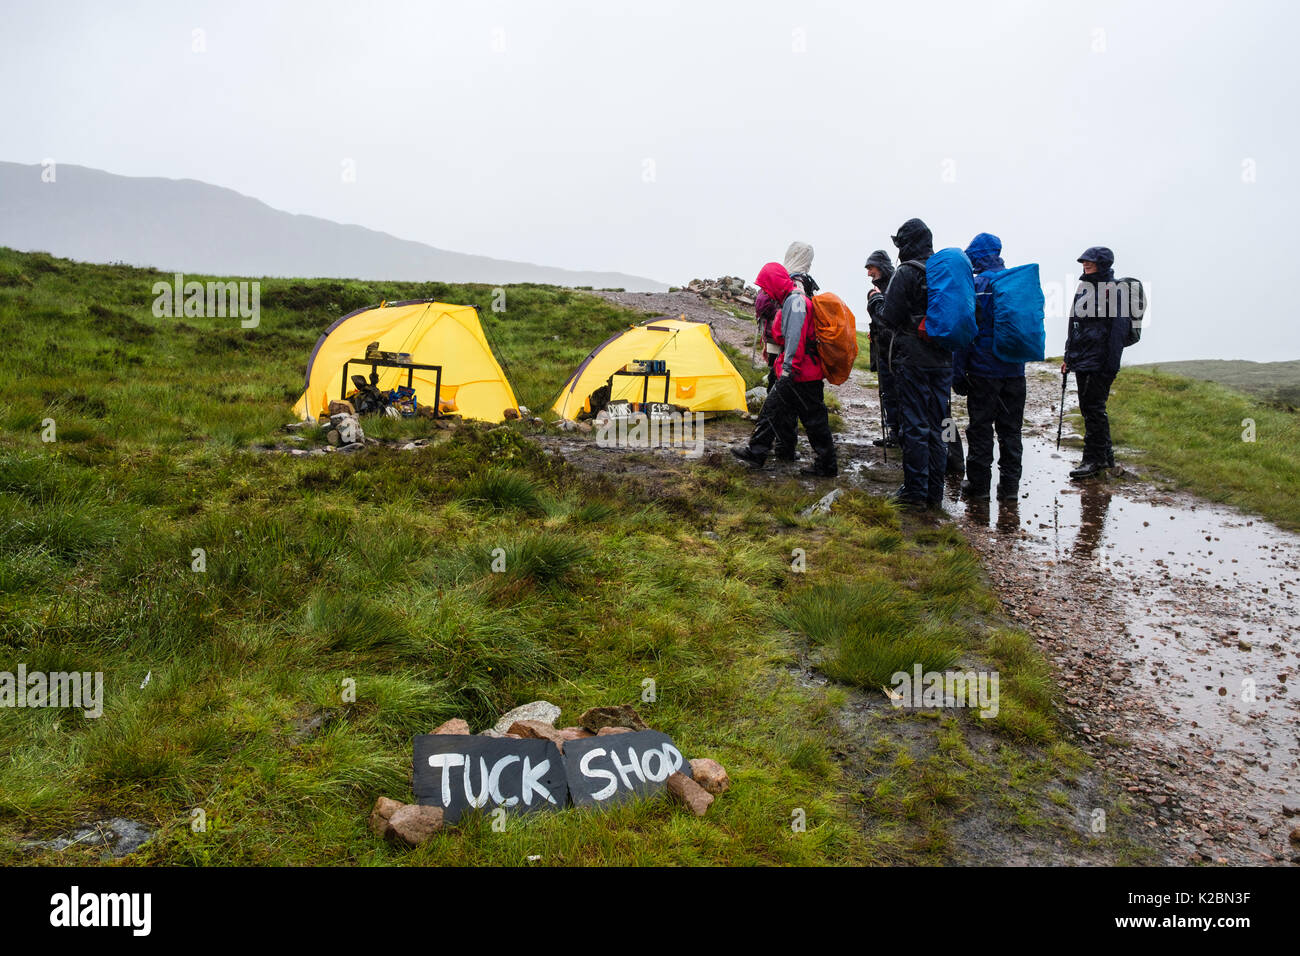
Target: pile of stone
[(412, 824), (729, 288), (342, 428)]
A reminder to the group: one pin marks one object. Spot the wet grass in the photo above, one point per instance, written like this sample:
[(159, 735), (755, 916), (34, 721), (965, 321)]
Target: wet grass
[(1221, 444)]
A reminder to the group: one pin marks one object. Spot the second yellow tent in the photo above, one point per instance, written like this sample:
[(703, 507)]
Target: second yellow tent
[(699, 376)]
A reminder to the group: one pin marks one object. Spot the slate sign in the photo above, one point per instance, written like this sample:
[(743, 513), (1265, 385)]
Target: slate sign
[(618, 767), (459, 772)]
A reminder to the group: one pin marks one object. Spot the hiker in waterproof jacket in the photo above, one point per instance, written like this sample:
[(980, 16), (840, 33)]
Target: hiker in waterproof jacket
[(799, 391), (769, 322), (994, 389), (923, 371), (881, 269), (798, 260), (1092, 352)]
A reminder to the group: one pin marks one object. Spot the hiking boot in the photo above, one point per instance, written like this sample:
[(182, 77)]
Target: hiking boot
[(889, 441), (786, 456), (815, 471), (749, 456), (1008, 494), (1087, 469), (972, 493)]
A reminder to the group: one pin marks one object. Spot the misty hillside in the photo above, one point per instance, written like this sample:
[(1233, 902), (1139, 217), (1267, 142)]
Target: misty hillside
[(1272, 381), (189, 226)]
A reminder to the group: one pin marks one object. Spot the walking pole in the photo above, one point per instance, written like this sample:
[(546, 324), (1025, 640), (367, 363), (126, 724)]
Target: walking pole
[(1065, 377), (884, 438)]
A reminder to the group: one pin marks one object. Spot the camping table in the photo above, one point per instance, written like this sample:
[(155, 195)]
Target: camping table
[(645, 392), (410, 376)]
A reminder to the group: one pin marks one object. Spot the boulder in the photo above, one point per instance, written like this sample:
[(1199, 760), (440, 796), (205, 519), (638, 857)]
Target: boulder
[(755, 397), (621, 716), (454, 726), (538, 730), (710, 775), (689, 793), (511, 414), (382, 813), (353, 446), (575, 733), (341, 406), (542, 710), (606, 731), (333, 437), (412, 824)]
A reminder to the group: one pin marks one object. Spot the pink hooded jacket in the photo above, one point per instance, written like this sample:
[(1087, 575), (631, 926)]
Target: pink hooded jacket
[(794, 323)]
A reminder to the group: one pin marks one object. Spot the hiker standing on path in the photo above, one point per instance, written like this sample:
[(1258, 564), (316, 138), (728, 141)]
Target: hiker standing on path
[(798, 260), (1093, 347), (923, 369), (881, 270), (799, 391), (994, 389)]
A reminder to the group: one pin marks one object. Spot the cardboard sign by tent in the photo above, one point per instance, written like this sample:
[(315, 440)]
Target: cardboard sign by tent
[(618, 767), (701, 379), (459, 772), (432, 333)]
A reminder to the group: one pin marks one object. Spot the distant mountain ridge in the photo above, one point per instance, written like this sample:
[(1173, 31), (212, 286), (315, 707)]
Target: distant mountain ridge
[(189, 226)]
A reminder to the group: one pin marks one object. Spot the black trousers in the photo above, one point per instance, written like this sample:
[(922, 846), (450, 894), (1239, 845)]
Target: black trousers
[(1094, 391), (924, 400), (790, 402), (787, 424), (995, 404)]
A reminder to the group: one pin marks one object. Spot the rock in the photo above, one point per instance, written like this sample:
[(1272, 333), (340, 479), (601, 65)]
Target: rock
[(524, 411), (333, 437), (380, 815), (454, 726), (689, 793), (353, 446), (349, 428), (511, 414), (1295, 835), (538, 730), (490, 732), (607, 731), (575, 733), (541, 710), (341, 406), (584, 427), (755, 397), (621, 716), (295, 426), (412, 824), (710, 775), (823, 505), (567, 425)]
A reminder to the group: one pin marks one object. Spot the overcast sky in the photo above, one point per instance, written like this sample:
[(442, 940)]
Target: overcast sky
[(697, 139)]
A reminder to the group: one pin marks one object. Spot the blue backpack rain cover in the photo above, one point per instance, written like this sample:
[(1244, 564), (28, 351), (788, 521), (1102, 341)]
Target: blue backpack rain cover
[(950, 309), (1018, 331)]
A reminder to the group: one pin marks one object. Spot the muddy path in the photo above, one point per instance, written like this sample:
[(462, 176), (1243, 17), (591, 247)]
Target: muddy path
[(1172, 622)]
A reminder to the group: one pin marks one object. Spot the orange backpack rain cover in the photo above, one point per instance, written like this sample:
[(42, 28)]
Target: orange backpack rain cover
[(837, 336)]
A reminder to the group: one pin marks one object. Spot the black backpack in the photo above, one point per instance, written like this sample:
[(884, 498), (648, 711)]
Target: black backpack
[(1137, 308)]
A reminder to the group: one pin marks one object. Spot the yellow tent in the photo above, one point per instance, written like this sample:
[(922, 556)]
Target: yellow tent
[(433, 333), (699, 376)]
